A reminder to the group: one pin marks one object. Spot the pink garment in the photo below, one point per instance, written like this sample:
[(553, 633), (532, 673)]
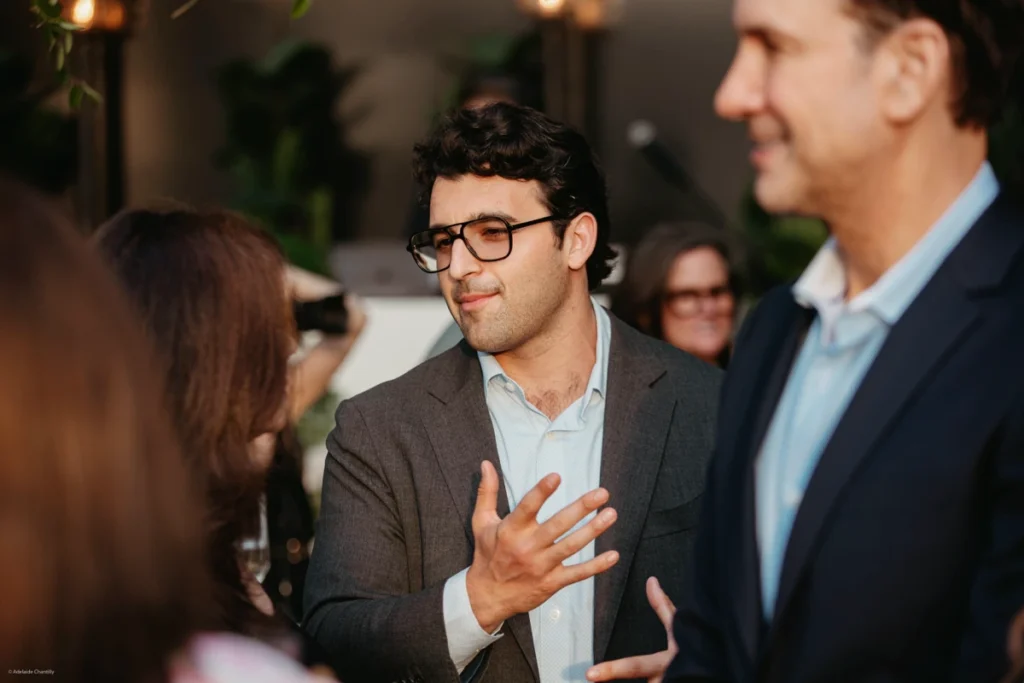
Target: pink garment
[(230, 658)]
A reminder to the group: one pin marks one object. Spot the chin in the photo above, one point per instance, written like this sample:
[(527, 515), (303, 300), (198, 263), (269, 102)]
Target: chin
[(484, 340), (777, 194)]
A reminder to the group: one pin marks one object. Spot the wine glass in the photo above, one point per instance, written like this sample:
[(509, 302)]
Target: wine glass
[(254, 550)]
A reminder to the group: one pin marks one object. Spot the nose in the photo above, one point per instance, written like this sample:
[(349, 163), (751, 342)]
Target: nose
[(463, 263), (741, 93)]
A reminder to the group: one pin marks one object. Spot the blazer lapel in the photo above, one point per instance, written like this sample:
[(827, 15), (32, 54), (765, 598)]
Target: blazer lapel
[(637, 417), (461, 435), (789, 325), (918, 344)]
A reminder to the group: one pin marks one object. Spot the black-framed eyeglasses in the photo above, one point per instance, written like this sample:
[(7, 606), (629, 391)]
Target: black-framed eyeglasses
[(487, 239), (687, 302)]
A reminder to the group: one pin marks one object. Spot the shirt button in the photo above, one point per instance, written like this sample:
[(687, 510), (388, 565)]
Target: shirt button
[(551, 436), (792, 498), (555, 614)]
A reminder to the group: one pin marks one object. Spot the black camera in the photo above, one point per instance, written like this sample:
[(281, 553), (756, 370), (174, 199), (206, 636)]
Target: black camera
[(327, 315)]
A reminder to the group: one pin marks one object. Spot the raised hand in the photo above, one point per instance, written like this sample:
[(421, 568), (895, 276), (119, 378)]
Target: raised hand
[(517, 563), (652, 667)]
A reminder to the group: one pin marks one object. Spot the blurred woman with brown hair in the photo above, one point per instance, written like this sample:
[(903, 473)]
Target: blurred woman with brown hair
[(211, 290), (101, 545), (681, 286)]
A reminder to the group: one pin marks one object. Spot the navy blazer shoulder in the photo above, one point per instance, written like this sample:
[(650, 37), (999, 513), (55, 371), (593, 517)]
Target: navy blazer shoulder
[(906, 558)]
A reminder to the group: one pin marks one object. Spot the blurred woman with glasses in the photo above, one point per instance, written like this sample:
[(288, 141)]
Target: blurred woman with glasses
[(681, 286)]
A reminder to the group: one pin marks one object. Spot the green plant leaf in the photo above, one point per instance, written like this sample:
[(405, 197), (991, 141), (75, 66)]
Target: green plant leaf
[(286, 158), (68, 26), (48, 9), (75, 96), (300, 7), (90, 93), (321, 207), (60, 59), (68, 42)]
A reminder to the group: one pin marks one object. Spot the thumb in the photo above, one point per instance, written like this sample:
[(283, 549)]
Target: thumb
[(487, 493)]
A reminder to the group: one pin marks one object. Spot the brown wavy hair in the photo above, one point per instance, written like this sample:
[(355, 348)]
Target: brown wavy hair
[(210, 287), (101, 552)]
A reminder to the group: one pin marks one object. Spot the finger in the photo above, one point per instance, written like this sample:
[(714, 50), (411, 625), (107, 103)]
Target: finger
[(575, 573), (527, 509), (577, 540), (566, 518), (661, 603), (487, 494), (643, 666)]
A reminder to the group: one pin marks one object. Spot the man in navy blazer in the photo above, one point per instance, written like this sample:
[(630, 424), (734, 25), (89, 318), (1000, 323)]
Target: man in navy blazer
[(864, 513)]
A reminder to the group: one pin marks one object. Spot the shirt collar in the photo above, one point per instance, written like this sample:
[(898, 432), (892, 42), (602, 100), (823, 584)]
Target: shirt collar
[(823, 284), (598, 383)]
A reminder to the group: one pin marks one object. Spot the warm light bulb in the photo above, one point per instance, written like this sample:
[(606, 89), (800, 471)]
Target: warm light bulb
[(550, 7), (83, 12)]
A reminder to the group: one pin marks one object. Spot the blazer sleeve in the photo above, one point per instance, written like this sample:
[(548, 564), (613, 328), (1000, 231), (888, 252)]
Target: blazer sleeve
[(698, 627), (358, 602), (998, 589)]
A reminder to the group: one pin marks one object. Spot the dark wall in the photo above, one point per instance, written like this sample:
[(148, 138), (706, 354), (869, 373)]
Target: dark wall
[(174, 117), (662, 63)]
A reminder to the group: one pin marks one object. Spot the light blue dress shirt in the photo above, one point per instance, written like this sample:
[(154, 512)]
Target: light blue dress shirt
[(530, 446), (840, 346)]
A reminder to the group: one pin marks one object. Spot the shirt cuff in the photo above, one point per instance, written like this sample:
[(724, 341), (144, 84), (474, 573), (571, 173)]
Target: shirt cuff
[(465, 637)]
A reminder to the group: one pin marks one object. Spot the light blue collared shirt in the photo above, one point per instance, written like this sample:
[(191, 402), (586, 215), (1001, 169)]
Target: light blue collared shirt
[(841, 345), (530, 446)]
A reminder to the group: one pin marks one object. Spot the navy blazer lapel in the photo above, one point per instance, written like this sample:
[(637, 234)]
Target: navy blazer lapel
[(461, 434), (917, 346), (783, 329), (638, 414)]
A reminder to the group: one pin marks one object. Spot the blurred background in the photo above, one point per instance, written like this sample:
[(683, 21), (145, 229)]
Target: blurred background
[(307, 123), (302, 115)]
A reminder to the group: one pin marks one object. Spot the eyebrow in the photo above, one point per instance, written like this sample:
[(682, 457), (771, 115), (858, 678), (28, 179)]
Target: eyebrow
[(483, 214), (769, 34)]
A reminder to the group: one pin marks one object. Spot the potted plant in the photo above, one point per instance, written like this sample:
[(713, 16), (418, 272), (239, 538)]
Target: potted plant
[(286, 151)]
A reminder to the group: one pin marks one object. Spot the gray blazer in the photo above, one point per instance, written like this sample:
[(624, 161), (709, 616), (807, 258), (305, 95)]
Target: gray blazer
[(399, 489)]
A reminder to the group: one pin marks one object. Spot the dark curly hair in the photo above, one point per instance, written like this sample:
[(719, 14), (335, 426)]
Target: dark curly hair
[(520, 143), (985, 43)]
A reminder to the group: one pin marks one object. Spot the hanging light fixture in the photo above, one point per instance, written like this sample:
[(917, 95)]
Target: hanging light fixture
[(109, 16), (584, 14), (105, 26), (544, 9)]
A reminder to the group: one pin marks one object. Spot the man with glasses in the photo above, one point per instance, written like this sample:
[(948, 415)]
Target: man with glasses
[(461, 533)]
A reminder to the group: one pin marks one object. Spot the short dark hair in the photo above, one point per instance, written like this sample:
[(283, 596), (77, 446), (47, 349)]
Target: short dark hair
[(520, 143), (637, 299), (985, 42)]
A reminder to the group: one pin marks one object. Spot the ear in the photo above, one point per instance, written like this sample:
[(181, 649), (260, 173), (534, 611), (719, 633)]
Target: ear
[(579, 240), (914, 63)]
